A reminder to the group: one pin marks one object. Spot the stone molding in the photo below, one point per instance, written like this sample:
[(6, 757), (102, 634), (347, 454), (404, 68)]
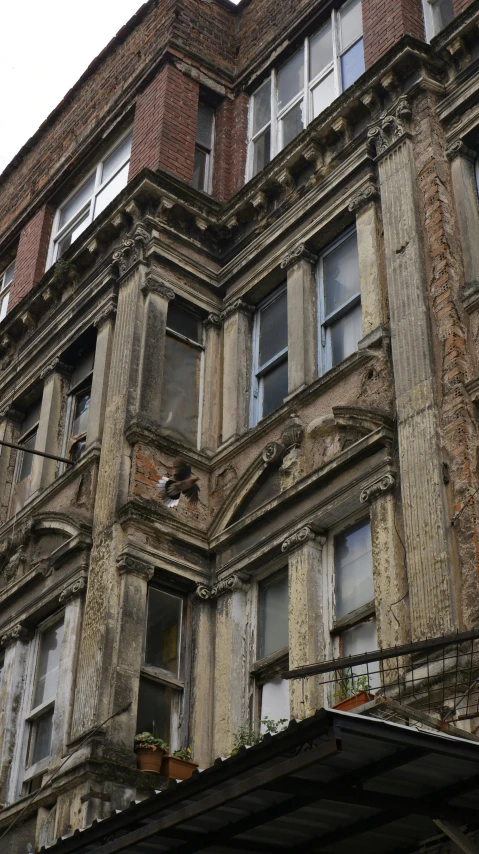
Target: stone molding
[(213, 320), (128, 565), (296, 254), (393, 124), (459, 149), (378, 488), (228, 585), (237, 306), (365, 197), (56, 366), (15, 634), (155, 286), (300, 537), (76, 588), (108, 313)]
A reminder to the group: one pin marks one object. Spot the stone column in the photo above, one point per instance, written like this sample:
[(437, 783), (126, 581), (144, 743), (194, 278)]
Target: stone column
[(307, 596), (467, 207), (50, 425), (237, 368), (211, 408), (230, 699), (302, 317), (157, 297), (389, 570), (202, 678), (10, 420), (15, 643), (426, 527), (105, 324), (371, 267)]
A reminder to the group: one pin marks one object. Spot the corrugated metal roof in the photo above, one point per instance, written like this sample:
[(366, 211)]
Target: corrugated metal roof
[(334, 781)]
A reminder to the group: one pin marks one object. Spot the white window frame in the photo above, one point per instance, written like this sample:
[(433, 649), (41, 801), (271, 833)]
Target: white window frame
[(430, 25), (256, 406), (305, 95), (89, 206), (6, 280), (198, 345), (209, 155), (325, 321)]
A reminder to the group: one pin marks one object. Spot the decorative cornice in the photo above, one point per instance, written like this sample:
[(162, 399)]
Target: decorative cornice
[(155, 286), (228, 585), (299, 538), (272, 452), (234, 307), (77, 588), (56, 366), (365, 197), (108, 313), (391, 127), (460, 149), (378, 488), (132, 566), (213, 320), (298, 253), (15, 634)]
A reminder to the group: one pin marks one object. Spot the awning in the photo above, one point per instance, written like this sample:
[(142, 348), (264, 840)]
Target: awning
[(334, 782)]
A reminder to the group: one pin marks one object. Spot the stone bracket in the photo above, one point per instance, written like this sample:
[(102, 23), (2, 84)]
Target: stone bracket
[(128, 565), (377, 488), (300, 537), (228, 585)]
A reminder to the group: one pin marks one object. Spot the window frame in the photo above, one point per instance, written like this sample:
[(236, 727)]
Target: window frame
[(200, 346), (208, 151), (263, 670), (83, 384), (5, 288), (260, 371), (430, 23), (58, 234), (24, 437), (325, 322)]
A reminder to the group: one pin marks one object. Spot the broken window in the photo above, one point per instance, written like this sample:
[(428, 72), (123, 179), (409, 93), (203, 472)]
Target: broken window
[(6, 279), (340, 301), (24, 462), (204, 148), (272, 647), (270, 355), (180, 397)]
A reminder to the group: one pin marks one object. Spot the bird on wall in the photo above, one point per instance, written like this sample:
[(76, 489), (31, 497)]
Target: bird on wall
[(182, 483)]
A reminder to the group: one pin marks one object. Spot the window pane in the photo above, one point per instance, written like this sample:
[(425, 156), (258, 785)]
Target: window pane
[(4, 306), (273, 335), (275, 387), (154, 709), (83, 367), (199, 173), (204, 125), (323, 94), (8, 276), (72, 235), (163, 629), (27, 459), (80, 412), (48, 663), (290, 79), (116, 159), (111, 190), (275, 700), (351, 23), (180, 393), (352, 64), (292, 123), (273, 615), (363, 638), (320, 51), (345, 334), (42, 737), (262, 106), (77, 202), (184, 322), (341, 274), (261, 151), (353, 568), (443, 12)]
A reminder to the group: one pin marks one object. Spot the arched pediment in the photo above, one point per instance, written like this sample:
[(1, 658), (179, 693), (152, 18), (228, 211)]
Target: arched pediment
[(58, 523)]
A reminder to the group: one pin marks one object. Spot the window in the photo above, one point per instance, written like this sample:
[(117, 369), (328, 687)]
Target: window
[(270, 355), (6, 279), (161, 684), (79, 406), (91, 198), (437, 15), (24, 461), (272, 647), (204, 148), (340, 301), (182, 372), (328, 63), (40, 717)]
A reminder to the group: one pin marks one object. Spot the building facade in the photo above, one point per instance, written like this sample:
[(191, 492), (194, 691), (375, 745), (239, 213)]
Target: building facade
[(222, 178)]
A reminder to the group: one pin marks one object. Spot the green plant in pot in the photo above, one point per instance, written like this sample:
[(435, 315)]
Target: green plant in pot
[(247, 737), (352, 690), (179, 765), (150, 751)]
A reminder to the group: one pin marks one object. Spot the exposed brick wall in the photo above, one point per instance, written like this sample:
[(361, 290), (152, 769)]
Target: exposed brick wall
[(262, 24), (386, 21), (460, 5), (230, 147), (32, 254)]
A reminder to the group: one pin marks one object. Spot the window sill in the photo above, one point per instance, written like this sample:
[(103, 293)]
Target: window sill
[(271, 665), (354, 617)]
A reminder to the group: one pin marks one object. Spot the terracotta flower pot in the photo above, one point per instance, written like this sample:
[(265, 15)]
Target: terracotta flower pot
[(352, 702), (150, 760), (178, 769)]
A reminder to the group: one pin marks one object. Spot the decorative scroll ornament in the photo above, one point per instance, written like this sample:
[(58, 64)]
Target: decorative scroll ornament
[(298, 253), (155, 286), (272, 452), (232, 583), (126, 255), (392, 125), (236, 306), (363, 198), (293, 433), (56, 366), (15, 634), (298, 538), (75, 589), (459, 149), (108, 313), (213, 320), (131, 565), (374, 490)]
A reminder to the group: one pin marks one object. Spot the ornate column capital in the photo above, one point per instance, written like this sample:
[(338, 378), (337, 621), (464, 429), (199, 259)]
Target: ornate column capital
[(365, 197), (15, 634), (273, 451), (227, 585), (213, 319), (128, 565), (76, 588), (106, 314), (393, 124), (238, 306), (377, 488), (56, 366), (460, 149), (300, 537), (8, 411), (296, 254), (155, 286)]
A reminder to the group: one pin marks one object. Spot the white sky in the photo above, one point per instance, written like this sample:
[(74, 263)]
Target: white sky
[(46, 47)]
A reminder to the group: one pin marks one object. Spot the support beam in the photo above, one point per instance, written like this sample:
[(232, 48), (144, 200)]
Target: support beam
[(457, 836)]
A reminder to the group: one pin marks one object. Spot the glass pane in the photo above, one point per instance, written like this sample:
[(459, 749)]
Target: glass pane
[(77, 202), (275, 387), (292, 123), (273, 615), (48, 662), (184, 322), (261, 151), (111, 190), (83, 367), (116, 159), (443, 12), (80, 412), (351, 22), (341, 274), (4, 306), (290, 79), (275, 700), (320, 50), (273, 336), (204, 125), (262, 106), (200, 169), (27, 459), (323, 94), (362, 638), (180, 393), (163, 629), (353, 568), (154, 709), (42, 737), (8, 276), (352, 64), (345, 334), (72, 235)]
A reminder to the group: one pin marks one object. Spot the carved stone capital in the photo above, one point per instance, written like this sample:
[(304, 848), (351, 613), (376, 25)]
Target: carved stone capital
[(213, 320), (234, 307), (391, 127), (204, 592), (56, 366), (459, 149), (15, 634), (227, 585), (128, 565), (298, 253), (155, 286), (378, 488), (126, 254), (76, 588), (108, 313), (272, 452), (365, 197), (9, 411), (299, 538)]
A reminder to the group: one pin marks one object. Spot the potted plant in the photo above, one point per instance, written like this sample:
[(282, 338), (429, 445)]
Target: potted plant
[(149, 751), (352, 691), (246, 737), (179, 764)]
